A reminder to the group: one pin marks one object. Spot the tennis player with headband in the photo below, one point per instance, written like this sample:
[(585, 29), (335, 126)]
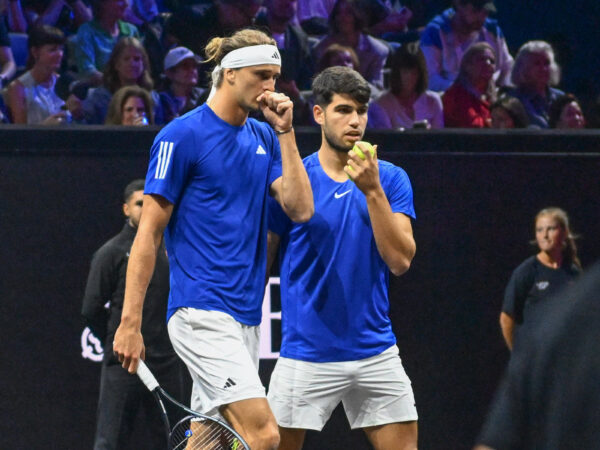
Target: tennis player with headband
[(208, 179)]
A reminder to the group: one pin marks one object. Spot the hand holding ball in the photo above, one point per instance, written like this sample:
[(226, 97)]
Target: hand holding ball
[(356, 149)]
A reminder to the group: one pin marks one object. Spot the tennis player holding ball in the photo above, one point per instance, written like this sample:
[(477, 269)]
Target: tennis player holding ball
[(209, 177), (337, 339)]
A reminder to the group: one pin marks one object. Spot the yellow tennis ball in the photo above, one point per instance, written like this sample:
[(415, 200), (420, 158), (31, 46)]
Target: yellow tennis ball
[(359, 152)]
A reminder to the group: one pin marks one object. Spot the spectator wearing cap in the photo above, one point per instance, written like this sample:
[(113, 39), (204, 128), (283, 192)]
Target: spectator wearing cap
[(181, 77), (97, 38), (448, 36)]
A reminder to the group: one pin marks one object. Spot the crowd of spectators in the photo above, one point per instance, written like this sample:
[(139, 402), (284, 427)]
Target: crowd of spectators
[(454, 70)]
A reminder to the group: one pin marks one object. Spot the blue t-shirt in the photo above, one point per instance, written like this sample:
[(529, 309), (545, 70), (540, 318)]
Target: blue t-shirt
[(217, 176), (334, 283)]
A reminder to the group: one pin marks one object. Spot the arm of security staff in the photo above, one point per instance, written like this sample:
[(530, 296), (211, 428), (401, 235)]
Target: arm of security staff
[(129, 344), (392, 231), (292, 190)]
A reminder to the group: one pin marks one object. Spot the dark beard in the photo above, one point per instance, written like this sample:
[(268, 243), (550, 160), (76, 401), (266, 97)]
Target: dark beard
[(334, 145)]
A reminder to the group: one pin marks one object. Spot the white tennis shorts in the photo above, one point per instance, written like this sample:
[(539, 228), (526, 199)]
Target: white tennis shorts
[(221, 355), (374, 391)]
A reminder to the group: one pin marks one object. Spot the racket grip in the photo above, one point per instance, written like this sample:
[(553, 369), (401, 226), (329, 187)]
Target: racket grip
[(146, 376)]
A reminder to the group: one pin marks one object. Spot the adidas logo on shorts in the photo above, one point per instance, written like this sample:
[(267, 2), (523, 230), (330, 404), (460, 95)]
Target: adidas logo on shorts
[(229, 383)]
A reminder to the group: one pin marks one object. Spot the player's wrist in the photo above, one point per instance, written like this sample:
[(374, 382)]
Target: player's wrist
[(279, 132)]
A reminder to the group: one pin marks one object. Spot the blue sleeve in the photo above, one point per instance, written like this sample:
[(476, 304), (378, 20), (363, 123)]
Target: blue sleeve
[(170, 163), (84, 49), (400, 194), (279, 222), (431, 37), (276, 170)]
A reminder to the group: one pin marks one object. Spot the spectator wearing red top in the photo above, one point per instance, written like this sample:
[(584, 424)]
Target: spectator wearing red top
[(467, 102)]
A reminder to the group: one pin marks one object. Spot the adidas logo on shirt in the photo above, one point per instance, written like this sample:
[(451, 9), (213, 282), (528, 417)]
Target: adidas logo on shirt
[(229, 383), (260, 150)]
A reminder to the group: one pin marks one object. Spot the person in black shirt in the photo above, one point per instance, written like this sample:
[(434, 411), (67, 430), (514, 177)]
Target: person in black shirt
[(122, 395), (549, 396), (539, 276)]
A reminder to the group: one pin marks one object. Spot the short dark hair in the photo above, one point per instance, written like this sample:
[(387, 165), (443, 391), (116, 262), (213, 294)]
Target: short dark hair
[(557, 106), (43, 35), (133, 186), (340, 80), (514, 108), (409, 56)]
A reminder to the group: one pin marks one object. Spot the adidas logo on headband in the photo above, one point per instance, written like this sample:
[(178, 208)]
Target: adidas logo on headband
[(275, 55)]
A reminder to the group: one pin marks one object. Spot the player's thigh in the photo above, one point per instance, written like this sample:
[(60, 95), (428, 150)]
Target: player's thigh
[(304, 394), (393, 436), (382, 392), (219, 354)]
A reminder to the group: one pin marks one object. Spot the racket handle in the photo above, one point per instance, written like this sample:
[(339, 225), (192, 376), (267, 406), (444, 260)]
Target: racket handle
[(146, 376)]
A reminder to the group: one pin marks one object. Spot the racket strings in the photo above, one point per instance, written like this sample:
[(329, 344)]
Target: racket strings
[(202, 434)]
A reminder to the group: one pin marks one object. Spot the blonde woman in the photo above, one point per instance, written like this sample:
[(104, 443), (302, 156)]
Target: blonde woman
[(554, 266)]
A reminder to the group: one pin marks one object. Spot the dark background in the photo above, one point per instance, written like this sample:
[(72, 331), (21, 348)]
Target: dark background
[(476, 194)]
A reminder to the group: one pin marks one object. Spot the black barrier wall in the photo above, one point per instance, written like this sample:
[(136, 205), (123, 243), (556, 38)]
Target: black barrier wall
[(475, 197)]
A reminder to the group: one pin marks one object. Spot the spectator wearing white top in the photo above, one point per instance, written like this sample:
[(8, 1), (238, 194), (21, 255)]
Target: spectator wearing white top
[(407, 102)]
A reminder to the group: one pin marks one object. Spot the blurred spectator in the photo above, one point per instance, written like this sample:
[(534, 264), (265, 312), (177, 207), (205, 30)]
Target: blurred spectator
[(13, 12), (407, 101), (389, 20), (97, 38), (181, 94), (128, 65), (31, 98), (534, 73), (347, 23), (7, 61), (338, 55), (508, 112), (67, 15), (448, 36), (194, 23), (565, 112), (131, 105), (297, 66), (467, 102), (313, 15)]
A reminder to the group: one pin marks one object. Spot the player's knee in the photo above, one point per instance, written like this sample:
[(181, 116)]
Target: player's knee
[(266, 438)]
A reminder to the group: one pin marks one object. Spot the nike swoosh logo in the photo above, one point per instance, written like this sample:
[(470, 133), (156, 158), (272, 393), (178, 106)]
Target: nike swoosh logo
[(336, 195)]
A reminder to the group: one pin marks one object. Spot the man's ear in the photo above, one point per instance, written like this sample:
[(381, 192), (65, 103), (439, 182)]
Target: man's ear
[(319, 114), (125, 209), (229, 75)]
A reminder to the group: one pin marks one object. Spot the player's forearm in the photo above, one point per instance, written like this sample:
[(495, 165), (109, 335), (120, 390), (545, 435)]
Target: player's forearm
[(394, 239), (296, 193), (140, 268), (507, 325)]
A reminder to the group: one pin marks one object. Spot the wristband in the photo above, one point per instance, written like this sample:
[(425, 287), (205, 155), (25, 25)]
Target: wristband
[(279, 133)]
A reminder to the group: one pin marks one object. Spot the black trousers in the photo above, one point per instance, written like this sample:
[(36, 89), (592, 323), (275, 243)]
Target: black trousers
[(123, 397)]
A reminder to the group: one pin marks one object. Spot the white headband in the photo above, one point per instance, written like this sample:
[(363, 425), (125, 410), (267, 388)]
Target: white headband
[(254, 55)]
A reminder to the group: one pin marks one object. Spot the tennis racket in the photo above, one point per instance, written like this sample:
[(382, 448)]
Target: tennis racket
[(195, 431)]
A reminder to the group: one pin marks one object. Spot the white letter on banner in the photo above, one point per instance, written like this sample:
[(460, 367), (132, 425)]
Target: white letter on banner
[(266, 344)]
